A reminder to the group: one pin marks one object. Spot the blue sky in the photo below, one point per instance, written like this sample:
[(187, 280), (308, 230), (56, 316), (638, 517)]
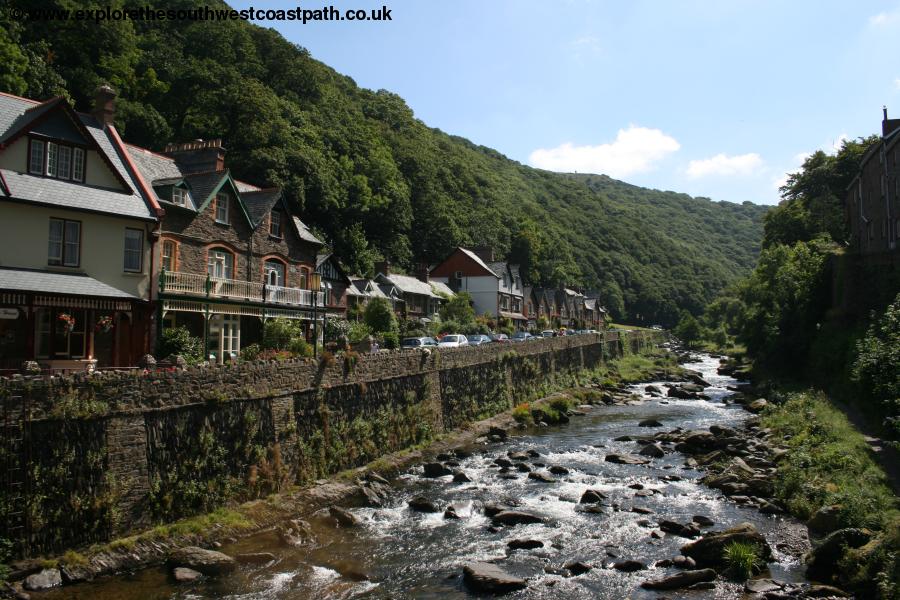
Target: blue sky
[(716, 99)]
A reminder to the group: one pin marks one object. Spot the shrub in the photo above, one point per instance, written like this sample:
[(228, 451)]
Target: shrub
[(743, 560), (877, 366), (250, 353), (178, 340), (359, 331), (278, 333), (379, 316), (390, 340), (522, 413), (561, 404), (337, 328), (299, 347)]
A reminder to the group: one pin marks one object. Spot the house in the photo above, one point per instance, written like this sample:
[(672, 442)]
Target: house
[(872, 204), (336, 285), (231, 254), (77, 230), (417, 299), (496, 287), (595, 315)]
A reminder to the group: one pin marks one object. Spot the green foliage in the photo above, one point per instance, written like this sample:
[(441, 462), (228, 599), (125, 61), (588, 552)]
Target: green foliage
[(829, 463), (743, 560), (278, 334), (688, 329), (380, 317), (178, 340), (877, 365), (337, 328), (6, 547), (251, 352), (522, 413), (376, 181), (390, 340), (459, 309), (358, 332)]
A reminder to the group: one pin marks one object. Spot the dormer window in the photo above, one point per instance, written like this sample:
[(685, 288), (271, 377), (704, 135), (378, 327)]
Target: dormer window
[(53, 159), (222, 208), (179, 196), (275, 224)]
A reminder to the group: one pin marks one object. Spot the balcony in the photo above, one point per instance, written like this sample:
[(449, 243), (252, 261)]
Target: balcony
[(203, 286)]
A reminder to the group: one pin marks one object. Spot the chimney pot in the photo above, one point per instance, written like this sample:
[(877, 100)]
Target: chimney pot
[(199, 155), (104, 105)]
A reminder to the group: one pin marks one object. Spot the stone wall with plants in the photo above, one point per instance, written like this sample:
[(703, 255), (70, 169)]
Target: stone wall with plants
[(89, 458)]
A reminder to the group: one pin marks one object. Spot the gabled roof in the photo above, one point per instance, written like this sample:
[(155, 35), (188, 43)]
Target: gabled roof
[(18, 116), (156, 168), (321, 259), (477, 259), (305, 234), (367, 287), (260, 202), (498, 268), (407, 284)]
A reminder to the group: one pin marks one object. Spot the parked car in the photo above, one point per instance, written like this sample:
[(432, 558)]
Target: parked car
[(547, 333), (521, 336), (418, 342), (478, 339), (500, 338), (453, 340)]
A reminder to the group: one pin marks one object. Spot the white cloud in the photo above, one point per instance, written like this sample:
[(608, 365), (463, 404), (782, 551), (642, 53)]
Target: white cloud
[(722, 164), (897, 83), (634, 150), (836, 144), (884, 19)]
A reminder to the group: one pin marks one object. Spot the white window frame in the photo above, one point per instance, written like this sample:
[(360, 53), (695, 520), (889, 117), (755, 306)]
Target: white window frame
[(69, 239), (222, 202), (64, 162), (220, 261), (51, 159), (170, 257), (38, 148), (179, 196), (78, 160), (280, 275), (134, 253)]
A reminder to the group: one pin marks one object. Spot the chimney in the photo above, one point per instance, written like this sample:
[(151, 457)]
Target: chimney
[(888, 125), (485, 253), (421, 272), (198, 156), (383, 267), (104, 105)]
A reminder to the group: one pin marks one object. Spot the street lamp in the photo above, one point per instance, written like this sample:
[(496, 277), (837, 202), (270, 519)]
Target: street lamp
[(315, 281)]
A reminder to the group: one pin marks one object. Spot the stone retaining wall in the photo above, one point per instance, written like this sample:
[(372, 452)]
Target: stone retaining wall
[(106, 454)]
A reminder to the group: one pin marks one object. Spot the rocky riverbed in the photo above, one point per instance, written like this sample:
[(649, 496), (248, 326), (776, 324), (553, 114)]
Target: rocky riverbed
[(635, 497)]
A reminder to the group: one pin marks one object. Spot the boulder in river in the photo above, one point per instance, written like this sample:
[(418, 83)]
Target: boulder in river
[(652, 450), (491, 579), (592, 497), (435, 469), (709, 551), (208, 562), (43, 580), (626, 459), (344, 517), (577, 568), (255, 558), (629, 566), (524, 544), (516, 517), (460, 477), (423, 504), (650, 423), (826, 519), (680, 580), (558, 470), (757, 405), (185, 575), (541, 477)]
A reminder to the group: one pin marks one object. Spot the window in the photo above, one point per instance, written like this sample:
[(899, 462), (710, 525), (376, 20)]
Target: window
[(303, 279), (222, 208), (53, 339), (64, 246), (56, 160), (274, 272), (220, 263), (78, 164), (275, 223), (168, 255), (328, 295), (179, 196), (134, 250), (36, 160)]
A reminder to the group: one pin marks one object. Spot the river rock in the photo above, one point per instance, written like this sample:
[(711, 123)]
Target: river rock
[(622, 438), (703, 521), (435, 469), (255, 558), (460, 477), (709, 551), (762, 586), (652, 389), (680, 580), (558, 470), (185, 575), (503, 462), (450, 513), (344, 517), (626, 459), (577, 568), (592, 497), (823, 560), (208, 562), (757, 405), (678, 529), (652, 450), (541, 477), (523, 468), (44, 580), (491, 579), (826, 519), (684, 562), (497, 432), (516, 517), (524, 544), (517, 455), (650, 423), (681, 394), (629, 566), (423, 504)]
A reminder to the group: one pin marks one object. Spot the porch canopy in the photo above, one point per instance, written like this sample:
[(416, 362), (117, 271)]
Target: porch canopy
[(100, 295)]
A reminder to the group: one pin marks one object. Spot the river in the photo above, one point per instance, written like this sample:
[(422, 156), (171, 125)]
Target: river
[(414, 555)]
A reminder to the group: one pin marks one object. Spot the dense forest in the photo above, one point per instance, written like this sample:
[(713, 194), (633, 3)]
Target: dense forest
[(372, 179)]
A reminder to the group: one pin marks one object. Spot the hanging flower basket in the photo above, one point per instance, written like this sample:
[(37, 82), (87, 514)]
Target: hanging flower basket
[(68, 322), (104, 324)]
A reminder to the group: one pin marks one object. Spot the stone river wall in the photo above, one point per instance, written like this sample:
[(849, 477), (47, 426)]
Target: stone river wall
[(84, 459)]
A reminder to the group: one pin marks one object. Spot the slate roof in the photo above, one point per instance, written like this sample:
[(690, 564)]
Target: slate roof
[(498, 268), (69, 194), (441, 288), (478, 260), (260, 202), (203, 184), (409, 285), (155, 167), (362, 285), (28, 280), (304, 232)]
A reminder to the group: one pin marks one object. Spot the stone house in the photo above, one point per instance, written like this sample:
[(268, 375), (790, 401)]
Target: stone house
[(230, 254), (77, 231), (872, 203)]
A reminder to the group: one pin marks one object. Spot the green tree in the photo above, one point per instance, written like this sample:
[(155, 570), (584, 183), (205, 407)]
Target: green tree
[(178, 341), (380, 317), (459, 309), (877, 366), (688, 329)]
